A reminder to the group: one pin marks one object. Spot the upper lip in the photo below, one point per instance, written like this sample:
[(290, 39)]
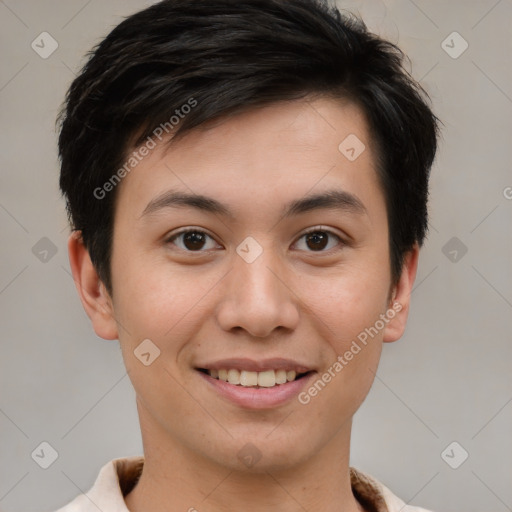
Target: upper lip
[(251, 365)]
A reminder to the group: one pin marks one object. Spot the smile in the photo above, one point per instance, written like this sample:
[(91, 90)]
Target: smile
[(264, 379), (249, 389)]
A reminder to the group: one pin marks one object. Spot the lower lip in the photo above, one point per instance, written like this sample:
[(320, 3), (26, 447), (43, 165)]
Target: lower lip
[(258, 398)]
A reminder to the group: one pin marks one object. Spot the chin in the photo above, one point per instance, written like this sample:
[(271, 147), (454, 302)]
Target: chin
[(263, 453)]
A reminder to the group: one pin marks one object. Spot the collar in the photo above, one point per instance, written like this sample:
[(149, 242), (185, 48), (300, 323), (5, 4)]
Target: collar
[(119, 476)]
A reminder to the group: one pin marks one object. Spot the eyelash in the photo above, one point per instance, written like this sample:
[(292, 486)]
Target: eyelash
[(315, 229)]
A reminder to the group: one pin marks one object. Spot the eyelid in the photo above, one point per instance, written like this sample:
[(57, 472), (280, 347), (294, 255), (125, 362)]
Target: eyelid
[(180, 231), (321, 228)]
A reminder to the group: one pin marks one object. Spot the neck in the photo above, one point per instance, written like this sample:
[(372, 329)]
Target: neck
[(176, 478)]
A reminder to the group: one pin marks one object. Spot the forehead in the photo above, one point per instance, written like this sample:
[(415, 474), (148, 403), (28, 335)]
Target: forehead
[(267, 155)]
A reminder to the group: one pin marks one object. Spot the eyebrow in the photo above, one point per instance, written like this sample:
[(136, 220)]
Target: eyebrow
[(332, 199)]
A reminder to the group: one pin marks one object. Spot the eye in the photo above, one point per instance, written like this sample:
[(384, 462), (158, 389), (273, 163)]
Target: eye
[(317, 239), (193, 240), (196, 240)]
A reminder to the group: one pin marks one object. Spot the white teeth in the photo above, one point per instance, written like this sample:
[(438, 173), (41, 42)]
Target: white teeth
[(266, 379), (248, 378), (291, 375), (233, 376), (280, 376)]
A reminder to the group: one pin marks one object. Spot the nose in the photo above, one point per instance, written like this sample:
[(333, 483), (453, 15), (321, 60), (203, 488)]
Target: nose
[(256, 297)]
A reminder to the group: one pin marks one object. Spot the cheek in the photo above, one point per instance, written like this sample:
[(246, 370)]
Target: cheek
[(348, 318), (156, 298), (349, 303), (156, 305)]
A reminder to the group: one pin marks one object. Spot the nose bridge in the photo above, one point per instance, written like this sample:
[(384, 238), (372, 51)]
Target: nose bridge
[(258, 281), (255, 272), (257, 299)]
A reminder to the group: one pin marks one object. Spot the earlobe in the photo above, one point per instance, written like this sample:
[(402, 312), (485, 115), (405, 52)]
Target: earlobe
[(399, 308), (95, 299)]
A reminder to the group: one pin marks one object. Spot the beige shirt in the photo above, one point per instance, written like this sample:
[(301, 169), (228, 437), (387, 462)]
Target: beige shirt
[(118, 477)]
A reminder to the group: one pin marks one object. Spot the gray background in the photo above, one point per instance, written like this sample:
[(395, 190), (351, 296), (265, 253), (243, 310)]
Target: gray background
[(447, 380)]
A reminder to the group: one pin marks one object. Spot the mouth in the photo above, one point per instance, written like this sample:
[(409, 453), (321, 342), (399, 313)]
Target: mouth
[(255, 384), (255, 379)]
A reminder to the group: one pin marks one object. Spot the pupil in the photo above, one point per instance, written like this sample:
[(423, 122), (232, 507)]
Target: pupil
[(317, 237), (193, 240)]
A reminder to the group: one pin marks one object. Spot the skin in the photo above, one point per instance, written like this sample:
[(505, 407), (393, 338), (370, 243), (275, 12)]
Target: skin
[(293, 301)]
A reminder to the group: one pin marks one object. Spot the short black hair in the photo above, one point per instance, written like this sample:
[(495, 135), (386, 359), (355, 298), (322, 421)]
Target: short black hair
[(225, 57)]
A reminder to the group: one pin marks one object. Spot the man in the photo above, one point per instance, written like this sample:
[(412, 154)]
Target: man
[(247, 185)]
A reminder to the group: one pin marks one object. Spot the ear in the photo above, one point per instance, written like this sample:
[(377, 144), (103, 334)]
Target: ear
[(401, 297), (93, 294)]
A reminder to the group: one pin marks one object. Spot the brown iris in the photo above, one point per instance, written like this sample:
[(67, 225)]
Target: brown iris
[(318, 239)]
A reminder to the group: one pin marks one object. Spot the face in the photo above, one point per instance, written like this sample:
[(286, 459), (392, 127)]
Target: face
[(258, 280)]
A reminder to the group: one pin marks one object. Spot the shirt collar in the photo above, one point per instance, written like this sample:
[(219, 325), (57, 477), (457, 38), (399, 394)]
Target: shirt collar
[(118, 477)]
